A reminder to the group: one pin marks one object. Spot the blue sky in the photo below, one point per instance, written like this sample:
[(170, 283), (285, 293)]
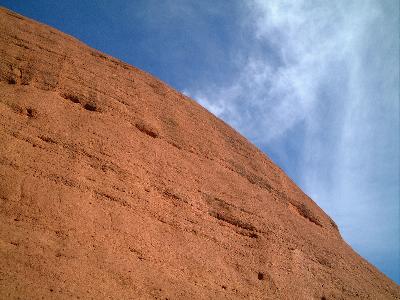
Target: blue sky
[(314, 84)]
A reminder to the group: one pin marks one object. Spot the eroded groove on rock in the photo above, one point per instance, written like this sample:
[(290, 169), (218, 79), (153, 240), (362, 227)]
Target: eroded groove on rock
[(233, 221)]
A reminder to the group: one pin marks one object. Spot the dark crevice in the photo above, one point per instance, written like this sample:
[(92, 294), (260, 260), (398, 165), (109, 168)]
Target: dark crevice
[(11, 81), (147, 129), (91, 106), (232, 221), (250, 234), (31, 112), (47, 139), (111, 198), (73, 98), (306, 213)]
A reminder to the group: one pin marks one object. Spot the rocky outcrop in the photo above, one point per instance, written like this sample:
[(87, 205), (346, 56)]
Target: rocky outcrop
[(114, 185)]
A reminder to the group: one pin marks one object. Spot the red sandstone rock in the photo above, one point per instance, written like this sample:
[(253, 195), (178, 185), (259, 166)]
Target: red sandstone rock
[(114, 185)]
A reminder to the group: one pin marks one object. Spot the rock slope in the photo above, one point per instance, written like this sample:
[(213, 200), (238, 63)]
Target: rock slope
[(114, 185)]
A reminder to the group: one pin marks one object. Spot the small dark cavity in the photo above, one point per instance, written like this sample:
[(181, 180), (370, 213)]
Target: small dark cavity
[(22, 45), (260, 276), (224, 287), (253, 235), (51, 290), (11, 81), (323, 298), (91, 106), (31, 112)]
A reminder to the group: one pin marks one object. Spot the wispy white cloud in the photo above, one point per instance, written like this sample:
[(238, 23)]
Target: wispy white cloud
[(331, 67), (306, 39)]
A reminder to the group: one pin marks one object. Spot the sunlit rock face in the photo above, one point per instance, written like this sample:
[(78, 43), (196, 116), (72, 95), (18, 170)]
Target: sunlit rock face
[(114, 185)]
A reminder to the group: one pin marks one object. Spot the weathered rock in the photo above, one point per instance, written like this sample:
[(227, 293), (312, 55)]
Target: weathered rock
[(114, 185)]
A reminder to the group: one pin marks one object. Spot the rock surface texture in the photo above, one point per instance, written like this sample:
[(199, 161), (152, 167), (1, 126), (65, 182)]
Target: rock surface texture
[(114, 185)]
